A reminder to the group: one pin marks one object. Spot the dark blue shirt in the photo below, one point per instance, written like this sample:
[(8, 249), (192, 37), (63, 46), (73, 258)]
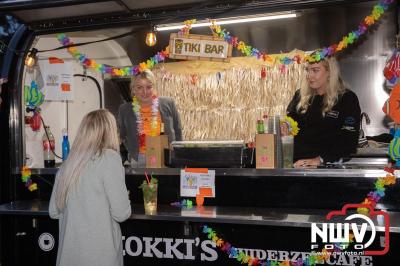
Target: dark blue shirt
[(332, 136)]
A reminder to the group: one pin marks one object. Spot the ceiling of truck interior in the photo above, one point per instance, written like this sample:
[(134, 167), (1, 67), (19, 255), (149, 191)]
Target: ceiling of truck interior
[(35, 11)]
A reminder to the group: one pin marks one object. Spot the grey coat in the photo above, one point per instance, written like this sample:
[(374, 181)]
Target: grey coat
[(128, 128), (89, 233)]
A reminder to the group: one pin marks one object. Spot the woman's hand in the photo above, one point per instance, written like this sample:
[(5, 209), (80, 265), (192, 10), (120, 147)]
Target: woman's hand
[(308, 163)]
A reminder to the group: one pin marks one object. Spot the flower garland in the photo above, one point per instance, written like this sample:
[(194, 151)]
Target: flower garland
[(248, 50), (105, 69), (353, 36), (243, 258), (293, 126), (375, 195), (139, 121), (318, 54), (245, 49), (313, 259), (26, 178)]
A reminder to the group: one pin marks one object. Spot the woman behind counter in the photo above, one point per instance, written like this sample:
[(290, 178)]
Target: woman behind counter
[(328, 115), (90, 197), (144, 116)]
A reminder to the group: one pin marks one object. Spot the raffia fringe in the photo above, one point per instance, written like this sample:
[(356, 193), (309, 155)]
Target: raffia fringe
[(226, 104)]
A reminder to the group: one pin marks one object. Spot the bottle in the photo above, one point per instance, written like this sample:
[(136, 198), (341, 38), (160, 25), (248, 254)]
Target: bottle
[(65, 145), (260, 126), (48, 148), (162, 132), (278, 142), (265, 119)]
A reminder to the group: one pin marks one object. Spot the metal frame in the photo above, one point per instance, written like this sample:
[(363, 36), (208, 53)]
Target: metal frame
[(109, 20), (175, 13), (12, 5)]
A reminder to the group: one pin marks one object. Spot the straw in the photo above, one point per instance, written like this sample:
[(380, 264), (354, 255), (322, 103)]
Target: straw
[(148, 180)]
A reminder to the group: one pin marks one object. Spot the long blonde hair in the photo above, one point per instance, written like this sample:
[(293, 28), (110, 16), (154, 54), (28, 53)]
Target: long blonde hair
[(334, 89), (97, 131)]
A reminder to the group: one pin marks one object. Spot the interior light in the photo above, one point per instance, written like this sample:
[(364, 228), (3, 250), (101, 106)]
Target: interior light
[(151, 38), (232, 20), (31, 58)]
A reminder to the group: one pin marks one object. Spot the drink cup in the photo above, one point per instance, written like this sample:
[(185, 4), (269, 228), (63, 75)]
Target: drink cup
[(150, 198), (287, 150)]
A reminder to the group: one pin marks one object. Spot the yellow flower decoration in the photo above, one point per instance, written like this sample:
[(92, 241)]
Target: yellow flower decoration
[(293, 126)]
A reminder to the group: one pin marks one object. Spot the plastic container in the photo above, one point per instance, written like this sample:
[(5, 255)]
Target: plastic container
[(65, 145), (48, 148), (287, 151)]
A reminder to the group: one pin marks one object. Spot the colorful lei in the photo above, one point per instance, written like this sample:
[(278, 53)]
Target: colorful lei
[(139, 121), (26, 178), (375, 195)]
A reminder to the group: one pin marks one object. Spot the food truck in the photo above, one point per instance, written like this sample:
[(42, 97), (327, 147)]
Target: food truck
[(228, 193)]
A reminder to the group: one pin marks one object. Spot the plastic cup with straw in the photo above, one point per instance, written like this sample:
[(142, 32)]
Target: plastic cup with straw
[(150, 190)]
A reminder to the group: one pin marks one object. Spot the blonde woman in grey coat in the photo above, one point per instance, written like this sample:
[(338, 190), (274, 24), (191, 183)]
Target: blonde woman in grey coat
[(90, 198)]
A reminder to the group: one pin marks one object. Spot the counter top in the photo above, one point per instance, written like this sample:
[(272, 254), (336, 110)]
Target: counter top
[(210, 214), (346, 171)]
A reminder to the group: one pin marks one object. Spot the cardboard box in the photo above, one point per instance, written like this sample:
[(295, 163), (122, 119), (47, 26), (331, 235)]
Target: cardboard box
[(265, 151), (155, 151)]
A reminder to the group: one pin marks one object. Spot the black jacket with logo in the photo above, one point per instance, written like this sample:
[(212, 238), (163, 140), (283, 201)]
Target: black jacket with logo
[(332, 137)]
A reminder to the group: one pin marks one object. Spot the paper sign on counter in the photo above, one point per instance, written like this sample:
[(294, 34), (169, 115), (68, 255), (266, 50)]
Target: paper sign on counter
[(196, 181)]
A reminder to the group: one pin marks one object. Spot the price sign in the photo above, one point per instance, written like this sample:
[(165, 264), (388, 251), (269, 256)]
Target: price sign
[(195, 181)]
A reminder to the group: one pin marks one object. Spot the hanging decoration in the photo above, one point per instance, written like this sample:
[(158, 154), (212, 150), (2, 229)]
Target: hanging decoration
[(293, 127), (374, 196), (391, 106), (263, 73), (318, 54), (392, 67), (26, 178), (186, 28), (243, 258), (106, 69), (377, 12), (394, 148), (211, 104), (33, 96), (248, 50), (151, 38)]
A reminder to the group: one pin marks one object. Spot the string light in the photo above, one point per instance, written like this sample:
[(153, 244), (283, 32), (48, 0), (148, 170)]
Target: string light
[(151, 38), (31, 58)]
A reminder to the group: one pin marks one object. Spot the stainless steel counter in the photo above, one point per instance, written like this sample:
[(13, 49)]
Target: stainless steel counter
[(210, 214), (347, 171)]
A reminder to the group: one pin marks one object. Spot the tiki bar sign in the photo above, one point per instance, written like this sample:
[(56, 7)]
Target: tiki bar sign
[(199, 47)]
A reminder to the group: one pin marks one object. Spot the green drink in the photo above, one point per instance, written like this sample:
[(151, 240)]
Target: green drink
[(150, 196)]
